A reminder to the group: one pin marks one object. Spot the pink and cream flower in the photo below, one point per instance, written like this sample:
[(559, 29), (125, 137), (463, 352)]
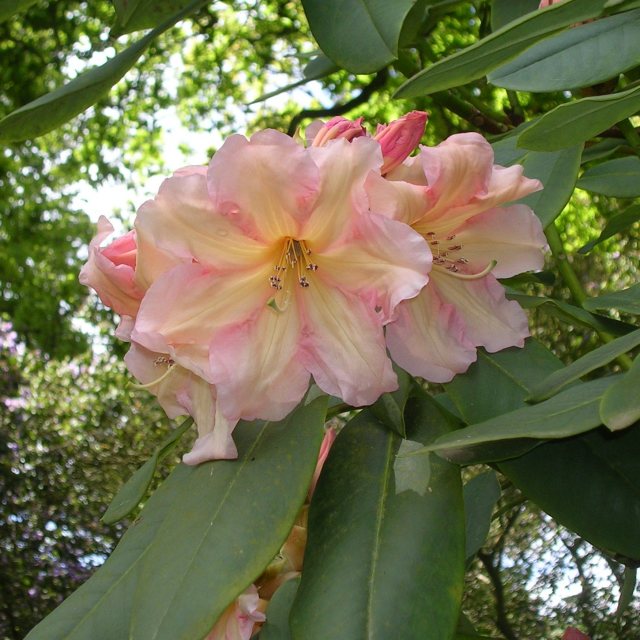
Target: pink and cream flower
[(285, 273), (455, 197)]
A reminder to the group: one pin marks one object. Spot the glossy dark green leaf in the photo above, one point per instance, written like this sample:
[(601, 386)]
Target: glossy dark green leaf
[(499, 47), (201, 539), (590, 362), (582, 56), (619, 178), (571, 314), (480, 496), (620, 407), (411, 473), (572, 411), (575, 122), (389, 408), (590, 484), (232, 519), (53, 109), (358, 35), (132, 492), (498, 382), (626, 300), (505, 11), (601, 150), (380, 564), (134, 15), (277, 625), (11, 7), (615, 224)]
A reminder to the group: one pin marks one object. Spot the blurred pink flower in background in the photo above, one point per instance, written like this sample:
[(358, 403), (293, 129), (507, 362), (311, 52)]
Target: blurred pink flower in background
[(239, 620), (573, 634)]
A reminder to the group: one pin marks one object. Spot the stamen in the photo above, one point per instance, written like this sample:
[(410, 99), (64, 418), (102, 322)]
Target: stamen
[(153, 383), (472, 276)]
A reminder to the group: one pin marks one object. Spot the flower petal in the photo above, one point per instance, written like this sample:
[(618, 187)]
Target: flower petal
[(463, 181), (396, 199), (256, 366), (512, 236), (343, 346), (427, 339), (490, 320), (182, 222), (384, 261), (265, 185), (344, 167), (186, 306)]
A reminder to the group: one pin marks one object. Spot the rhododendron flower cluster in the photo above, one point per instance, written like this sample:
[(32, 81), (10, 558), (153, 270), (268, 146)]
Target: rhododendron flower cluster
[(280, 263)]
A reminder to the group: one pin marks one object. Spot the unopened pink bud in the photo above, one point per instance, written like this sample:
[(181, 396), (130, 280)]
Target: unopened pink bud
[(338, 127), (573, 634), (399, 138)]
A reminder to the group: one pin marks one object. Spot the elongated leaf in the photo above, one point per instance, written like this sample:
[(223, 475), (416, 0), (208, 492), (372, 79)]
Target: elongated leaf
[(505, 11), (616, 224), (380, 564), (620, 407), (53, 109), (389, 408), (480, 496), (627, 591), (589, 362), (572, 411), (277, 625), (570, 314), (224, 503), (619, 178), (11, 7), (601, 150), (627, 300), (502, 45), (133, 15), (359, 35), (132, 492), (573, 479), (582, 56), (590, 484), (575, 122), (232, 519)]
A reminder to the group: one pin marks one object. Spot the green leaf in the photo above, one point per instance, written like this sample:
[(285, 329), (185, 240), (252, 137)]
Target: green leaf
[(502, 45), (480, 496), (572, 411), (600, 150), (411, 473), (570, 314), (626, 300), (11, 7), (53, 109), (505, 11), (627, 591), (389, 408), (134, 15), (132, 492), (199, 525), (582, 56), (615, 224), (232, 520), (590, 484), (277, 625), (620, 407), (575, 122), (590, 362), (373, 554), (619, 178), (358, 35)]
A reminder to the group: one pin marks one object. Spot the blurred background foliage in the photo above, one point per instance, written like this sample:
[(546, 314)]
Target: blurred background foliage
[(71, 426)]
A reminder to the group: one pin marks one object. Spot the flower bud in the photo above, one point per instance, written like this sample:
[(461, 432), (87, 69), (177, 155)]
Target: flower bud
[(399, 138), (338, 127)]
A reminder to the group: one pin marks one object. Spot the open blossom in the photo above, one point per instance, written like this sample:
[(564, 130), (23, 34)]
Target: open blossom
[(285, 273), (454, 196), (120, 272)]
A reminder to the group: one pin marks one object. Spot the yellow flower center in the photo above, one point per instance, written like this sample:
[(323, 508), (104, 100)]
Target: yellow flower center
[(447, 256), (293, 257)]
